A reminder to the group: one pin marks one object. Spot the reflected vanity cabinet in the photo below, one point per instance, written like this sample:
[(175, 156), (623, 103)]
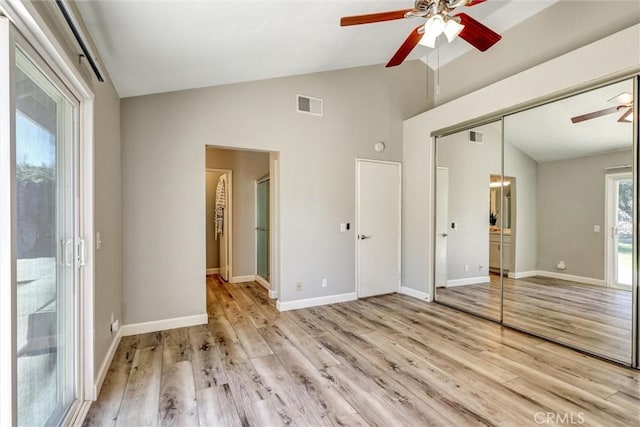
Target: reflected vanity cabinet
[(498, 249)]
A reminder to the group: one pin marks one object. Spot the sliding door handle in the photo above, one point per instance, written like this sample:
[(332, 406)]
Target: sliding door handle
[(363, 237)]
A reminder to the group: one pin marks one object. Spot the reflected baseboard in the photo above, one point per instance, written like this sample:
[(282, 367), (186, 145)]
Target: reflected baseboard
[(468, 281), (561, 276)]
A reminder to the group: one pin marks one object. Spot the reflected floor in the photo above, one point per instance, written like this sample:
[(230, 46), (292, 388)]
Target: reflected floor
[(592, 318)]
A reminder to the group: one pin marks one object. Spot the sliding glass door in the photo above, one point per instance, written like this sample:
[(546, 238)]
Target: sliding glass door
[(46, 249)]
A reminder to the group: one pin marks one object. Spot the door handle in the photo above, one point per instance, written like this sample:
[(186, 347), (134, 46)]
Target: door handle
[(444, 234), (363, 237)]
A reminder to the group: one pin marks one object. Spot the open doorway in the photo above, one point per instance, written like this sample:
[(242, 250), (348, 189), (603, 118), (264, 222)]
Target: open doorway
[(241, 216), (619, 230)]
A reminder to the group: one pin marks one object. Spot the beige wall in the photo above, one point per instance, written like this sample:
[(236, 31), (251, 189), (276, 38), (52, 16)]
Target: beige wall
[(164, 224), (247, 167), (107, 186), (555, 31), (571, 200)]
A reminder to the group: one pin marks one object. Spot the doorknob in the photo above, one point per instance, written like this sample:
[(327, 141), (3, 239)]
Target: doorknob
[(363, 237)]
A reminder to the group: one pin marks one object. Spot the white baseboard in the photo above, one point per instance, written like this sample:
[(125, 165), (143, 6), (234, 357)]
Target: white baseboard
[(106, 363), (164, 324), (260, 280), (213, 271), (240, 279), (572, 278), (273, 294), (312, 302), (521, 274), (414, 293), (468, 281)]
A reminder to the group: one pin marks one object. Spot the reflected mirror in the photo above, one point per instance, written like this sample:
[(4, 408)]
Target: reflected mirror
[(571, 220), (469, 219)]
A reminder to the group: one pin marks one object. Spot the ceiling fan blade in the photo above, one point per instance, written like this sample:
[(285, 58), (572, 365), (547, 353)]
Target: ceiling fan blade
[(626, 117), (593, 115), (476, 34), (474, 2), (625, 98), (373, 17), (406, 47)]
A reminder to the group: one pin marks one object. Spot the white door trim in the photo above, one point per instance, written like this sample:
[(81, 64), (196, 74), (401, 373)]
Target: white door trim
[(229, 172), (359, 161)]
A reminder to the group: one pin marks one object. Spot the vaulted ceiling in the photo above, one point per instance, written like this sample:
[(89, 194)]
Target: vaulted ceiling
[(158, 46)]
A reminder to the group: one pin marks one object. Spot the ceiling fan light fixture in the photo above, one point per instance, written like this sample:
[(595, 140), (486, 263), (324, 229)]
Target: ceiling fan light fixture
[(452, 29), (432, 29)]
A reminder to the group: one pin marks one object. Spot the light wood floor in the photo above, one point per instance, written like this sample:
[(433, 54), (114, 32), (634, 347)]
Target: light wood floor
[(592, 318), (386, 361)]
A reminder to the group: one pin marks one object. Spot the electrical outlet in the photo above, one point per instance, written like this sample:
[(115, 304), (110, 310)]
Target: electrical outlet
[(115, 325), (299, 286), (324, 283), (466, 267), (480, 267)]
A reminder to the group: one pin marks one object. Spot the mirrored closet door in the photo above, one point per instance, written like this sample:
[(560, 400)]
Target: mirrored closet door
[(469, 220), (534, 221), (572, 160)]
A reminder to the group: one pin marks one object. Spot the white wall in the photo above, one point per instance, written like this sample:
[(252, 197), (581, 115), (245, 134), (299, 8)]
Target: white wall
[(470, 168), (611, 55), (247, 167), (164, 137)]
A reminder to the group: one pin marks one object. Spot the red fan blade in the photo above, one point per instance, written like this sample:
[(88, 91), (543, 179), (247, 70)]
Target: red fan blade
[(373, 17), (406, 47), (476, 34), (626, 117), (593, 115), (474, 2)]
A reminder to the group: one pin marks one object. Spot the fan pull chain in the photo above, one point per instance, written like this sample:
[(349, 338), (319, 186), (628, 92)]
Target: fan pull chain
[(437, 69)]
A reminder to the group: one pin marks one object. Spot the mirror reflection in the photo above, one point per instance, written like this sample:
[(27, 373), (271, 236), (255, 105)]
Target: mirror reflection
[(570, 277), (469, 219)]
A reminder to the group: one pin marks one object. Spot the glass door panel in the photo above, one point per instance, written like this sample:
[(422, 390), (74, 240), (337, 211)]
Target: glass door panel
[(262, 229), (45, 259)]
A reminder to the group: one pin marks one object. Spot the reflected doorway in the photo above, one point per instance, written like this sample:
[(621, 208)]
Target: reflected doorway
[(619, 219)]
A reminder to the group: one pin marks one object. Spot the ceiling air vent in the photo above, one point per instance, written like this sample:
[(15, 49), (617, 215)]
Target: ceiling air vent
[(309, 105), (475, 137)]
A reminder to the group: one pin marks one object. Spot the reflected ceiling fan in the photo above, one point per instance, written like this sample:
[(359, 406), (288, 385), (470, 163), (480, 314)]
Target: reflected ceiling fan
[(624, 103), (439, 21)]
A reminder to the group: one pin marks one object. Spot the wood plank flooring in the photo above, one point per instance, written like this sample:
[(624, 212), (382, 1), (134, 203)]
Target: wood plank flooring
[(592, 318), (384, 361)]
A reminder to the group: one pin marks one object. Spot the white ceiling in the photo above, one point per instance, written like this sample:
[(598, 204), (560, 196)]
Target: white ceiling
[(546, 133), (152, 46)]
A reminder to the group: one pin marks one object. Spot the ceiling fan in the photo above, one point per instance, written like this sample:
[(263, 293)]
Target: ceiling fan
[(624, 101), (439, 21)]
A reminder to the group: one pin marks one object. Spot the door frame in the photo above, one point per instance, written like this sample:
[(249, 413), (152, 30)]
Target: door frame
[(610, 210), (261, 280), (360, 160), (229, 172)]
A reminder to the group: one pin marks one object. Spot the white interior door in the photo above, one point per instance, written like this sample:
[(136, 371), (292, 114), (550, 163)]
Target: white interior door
[(442, 225), (378, 227)]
